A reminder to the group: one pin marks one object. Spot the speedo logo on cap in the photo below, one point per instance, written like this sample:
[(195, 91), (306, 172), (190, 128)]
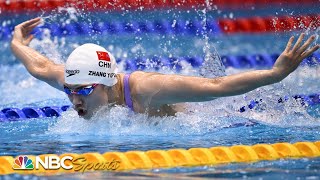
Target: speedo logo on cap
[(103, 56), (72, 72)]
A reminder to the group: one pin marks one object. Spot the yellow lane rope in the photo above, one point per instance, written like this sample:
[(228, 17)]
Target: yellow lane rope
[(124, 161)]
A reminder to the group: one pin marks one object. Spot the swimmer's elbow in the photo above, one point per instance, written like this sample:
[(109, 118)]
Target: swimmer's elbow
[(41, 75), (39, 70), (52, 77), (216, 88), (47, 71)]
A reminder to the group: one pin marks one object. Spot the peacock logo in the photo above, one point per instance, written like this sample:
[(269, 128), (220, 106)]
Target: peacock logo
[(22, 162)]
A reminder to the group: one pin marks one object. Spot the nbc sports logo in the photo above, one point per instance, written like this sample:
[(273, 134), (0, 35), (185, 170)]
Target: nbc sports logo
[(53, 162), (23, 162), (48, 162)]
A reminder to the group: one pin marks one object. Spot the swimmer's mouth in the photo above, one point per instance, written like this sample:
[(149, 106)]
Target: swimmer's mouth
[(82, 112)]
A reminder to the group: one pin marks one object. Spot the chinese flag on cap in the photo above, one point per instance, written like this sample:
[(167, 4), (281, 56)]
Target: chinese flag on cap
[(103, 56)]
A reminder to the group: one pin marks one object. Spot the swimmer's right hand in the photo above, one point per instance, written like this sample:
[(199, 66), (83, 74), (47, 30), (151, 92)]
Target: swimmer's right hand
[(22, 31)]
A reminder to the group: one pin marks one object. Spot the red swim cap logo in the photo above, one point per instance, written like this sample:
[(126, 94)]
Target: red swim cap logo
[(103, 56)]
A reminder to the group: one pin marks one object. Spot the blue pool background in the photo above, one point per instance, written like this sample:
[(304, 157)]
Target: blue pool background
[(210, 125)]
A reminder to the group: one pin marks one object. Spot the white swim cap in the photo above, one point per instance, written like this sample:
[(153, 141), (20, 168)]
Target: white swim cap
[(89, 64)]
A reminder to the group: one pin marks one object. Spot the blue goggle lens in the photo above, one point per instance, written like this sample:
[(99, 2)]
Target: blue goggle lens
[(83, 91)]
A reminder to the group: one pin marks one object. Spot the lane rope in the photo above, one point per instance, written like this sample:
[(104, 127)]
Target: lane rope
[(193, 27), (120, 5), (235, 61), (131, 160), (260, 61)]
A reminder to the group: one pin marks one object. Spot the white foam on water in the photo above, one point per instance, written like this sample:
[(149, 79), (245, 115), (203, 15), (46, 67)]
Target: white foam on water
[(121, 121)]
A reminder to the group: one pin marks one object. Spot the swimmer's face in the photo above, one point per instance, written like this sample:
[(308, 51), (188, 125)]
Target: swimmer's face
[(87, 105)]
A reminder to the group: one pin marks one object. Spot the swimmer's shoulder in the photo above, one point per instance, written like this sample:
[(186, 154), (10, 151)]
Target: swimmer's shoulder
[(142, 74), (140, 82), (138, 77)]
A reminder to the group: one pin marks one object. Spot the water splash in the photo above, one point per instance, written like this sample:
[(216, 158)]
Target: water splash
[(212, 65), (120, 121)]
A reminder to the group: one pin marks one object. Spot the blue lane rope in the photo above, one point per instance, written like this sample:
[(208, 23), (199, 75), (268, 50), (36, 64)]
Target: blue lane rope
[(304, 100), (16, 114), (239, 62), (181, 27)]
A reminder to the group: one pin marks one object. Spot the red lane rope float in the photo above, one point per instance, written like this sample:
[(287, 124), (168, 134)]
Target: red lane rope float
[(268, 24), (27, 5), (33, 5), (245, 4)]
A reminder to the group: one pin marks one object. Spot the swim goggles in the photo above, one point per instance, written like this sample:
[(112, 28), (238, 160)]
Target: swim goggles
[(86, 91)]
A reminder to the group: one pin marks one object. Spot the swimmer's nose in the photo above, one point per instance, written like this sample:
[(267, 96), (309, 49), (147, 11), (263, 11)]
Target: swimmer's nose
[(76, 99)]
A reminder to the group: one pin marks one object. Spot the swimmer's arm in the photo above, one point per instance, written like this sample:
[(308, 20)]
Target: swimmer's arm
[(37, 65), (168, 89)]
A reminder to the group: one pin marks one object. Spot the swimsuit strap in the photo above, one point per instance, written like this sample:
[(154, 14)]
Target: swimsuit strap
[(127, 95)]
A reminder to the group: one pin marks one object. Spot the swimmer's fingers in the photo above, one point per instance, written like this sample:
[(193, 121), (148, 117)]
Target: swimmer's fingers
[(310, 51), (23, 30), (306, 45), (30, 22), (27, 26), (298, 43), (32, 26), (289, 44)]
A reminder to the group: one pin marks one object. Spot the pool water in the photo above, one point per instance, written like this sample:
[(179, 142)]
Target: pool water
[(210, 124)]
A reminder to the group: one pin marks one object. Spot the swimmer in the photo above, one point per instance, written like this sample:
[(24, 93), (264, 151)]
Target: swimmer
[(91, 80)]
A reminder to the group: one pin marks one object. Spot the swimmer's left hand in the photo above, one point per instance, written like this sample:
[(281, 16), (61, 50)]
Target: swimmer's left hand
[(290, 59)]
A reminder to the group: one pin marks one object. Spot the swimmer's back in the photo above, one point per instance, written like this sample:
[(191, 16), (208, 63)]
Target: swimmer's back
[(144, 96)]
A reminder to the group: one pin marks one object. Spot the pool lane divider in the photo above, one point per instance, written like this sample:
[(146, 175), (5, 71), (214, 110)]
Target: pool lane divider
[(238, 62), (154, 159), (254, 24), (22, 6), (192, 27), (16, 114), (260, 61)]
